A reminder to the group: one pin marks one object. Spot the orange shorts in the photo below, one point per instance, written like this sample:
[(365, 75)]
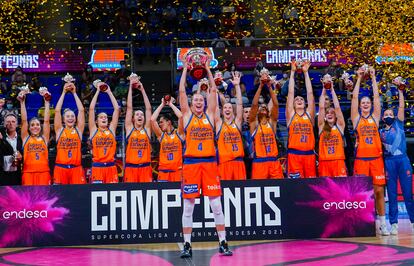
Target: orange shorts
[(135, 174), (266, 168), (65, 176), (200, 175), (36, 179), (332, 168), (301, 165), (232, 170), (169, 176), (374, 168), (104, 174)]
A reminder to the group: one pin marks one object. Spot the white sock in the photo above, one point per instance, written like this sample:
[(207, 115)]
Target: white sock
[(222, 235), (187, 238), (382, 219)]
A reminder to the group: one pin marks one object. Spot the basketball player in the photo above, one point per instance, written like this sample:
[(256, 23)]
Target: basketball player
[(35, 151), (301, 140), (397, 164), (229, 138), (138, 130), (263, 124), (368, 160), (331, 125), (102, 137), (200, 166), (171, 142), (68, 167)]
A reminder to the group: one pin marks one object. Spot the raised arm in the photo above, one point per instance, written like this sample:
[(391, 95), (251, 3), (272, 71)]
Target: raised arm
[(239, 101), (254, 108), (46, 122), (321, 115), (401, 104), (290, 110), (23, 114), (115, 114), (355, 98), (129, 111), (340, 120), (155, 127), (148, 109), (376, 114), (58, 112), (179, 115), (91, 118), (185, 108), (81, 112), (212, 97), (274, 110), (309, 91)]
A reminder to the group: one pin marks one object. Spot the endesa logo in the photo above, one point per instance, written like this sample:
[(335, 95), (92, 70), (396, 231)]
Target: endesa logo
[(24, 214), (344, 205)]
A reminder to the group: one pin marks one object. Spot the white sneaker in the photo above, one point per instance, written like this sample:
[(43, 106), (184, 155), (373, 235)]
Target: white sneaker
[(394, 229), (383, 230)]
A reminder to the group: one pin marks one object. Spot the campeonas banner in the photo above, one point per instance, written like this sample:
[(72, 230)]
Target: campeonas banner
[(151, 212)]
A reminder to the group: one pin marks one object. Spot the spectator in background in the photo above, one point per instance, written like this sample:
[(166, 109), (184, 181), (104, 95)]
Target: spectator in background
[(3, 86), (169, 17), (2, 109), (121, 82), (227, 72), (18, 76), (335, 70), (18, 80), (248, 39), (11, 152), (220, 42), (198, 17), (87, 84), (35, 83), (123, 20)]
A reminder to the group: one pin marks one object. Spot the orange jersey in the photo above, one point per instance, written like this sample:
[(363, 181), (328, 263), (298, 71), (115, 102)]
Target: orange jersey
[(229, 142), (69, 147), (103, 146), (199, 137), (264, 141), (332, 147), (138, 149), (35, 155), (301, 133), (368, 138), (171, 152)]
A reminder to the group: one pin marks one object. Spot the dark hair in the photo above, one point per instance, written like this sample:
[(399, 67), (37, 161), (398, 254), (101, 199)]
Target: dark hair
[(166, 117)]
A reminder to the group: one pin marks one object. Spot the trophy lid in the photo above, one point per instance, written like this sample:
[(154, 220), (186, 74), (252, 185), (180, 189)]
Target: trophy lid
[(68, 78)]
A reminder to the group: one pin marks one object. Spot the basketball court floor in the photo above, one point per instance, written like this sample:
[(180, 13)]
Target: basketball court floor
[(380, 250)]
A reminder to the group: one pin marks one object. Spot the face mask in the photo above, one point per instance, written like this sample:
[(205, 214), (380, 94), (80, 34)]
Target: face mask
[(389, 120), (9, 106), (123, 103), (285, 76)]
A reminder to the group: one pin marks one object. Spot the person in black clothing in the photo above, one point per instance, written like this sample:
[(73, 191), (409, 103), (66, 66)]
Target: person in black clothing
[(11, 152)]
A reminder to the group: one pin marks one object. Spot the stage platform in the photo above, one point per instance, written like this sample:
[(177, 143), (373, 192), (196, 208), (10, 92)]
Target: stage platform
[(380, 250)]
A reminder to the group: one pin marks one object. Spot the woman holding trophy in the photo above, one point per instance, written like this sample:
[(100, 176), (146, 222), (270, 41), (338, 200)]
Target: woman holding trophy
[(368, 159), (200, 171), (102, 137), (35, 143), (138, 130), (68, 166), (301, 142), (171, 141)]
